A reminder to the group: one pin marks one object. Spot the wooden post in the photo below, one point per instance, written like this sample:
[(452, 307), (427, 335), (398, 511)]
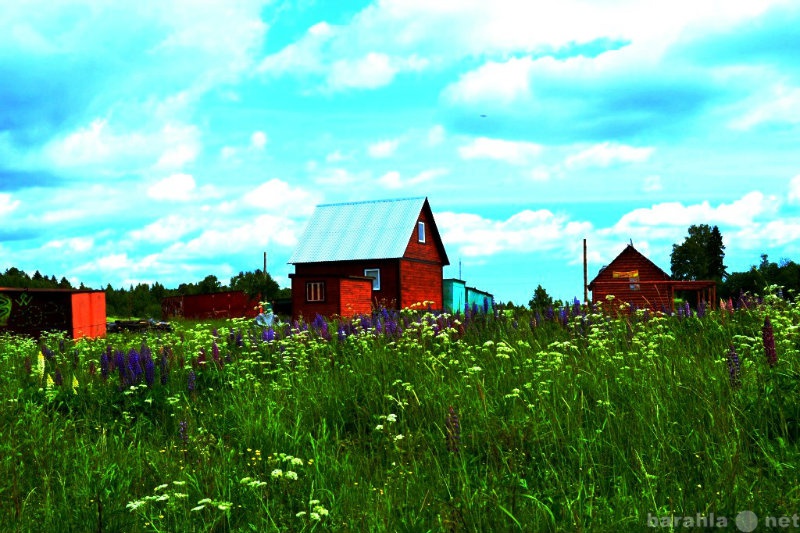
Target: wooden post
[(265, 265), (585, 276)]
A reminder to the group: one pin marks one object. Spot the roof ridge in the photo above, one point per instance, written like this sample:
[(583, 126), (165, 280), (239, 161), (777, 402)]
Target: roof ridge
[(384, 200)]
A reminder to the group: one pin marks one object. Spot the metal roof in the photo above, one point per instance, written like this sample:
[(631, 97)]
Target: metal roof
[(377, 229)]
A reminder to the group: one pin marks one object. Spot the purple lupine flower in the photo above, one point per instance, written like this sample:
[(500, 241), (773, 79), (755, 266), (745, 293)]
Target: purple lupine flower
[(701, 309), (119, 361), (688, 310), (550, 314), (48, 353), (563, 316), (485, 305), (342, 333), (734, 367), (239, 339), (768, 338), (104, 365), (149, 369), (191, 381), (58, 378), (215, 352), (183, 432), (453, 428), (134, 366), (270, 334), (164, 366)]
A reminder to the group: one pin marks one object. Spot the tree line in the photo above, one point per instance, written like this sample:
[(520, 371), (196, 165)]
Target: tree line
[(144, 300)]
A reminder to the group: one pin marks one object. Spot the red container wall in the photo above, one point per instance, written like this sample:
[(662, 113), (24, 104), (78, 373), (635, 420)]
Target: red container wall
[(229, 304), (355, 297), (88, 315), (421, 282)]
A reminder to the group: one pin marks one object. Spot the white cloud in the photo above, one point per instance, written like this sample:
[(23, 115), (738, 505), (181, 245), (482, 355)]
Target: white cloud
[(607, 154), (514, 152), (393, 179), (526, 231), (177, 187), (653, 184), (383, 149), (7, 204), (277, 196), (779, 104), (368, 72), (117, 151), (258, 140), (665, 217), (167, 229), (75, 244), (794, 190), (436, 135), (335, 177)]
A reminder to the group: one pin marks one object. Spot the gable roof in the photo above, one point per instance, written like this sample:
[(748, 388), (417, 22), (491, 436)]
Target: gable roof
[(377, 229), (628, 250)]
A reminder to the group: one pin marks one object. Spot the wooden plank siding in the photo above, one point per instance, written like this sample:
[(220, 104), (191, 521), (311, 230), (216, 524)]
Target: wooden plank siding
[(648, 292)]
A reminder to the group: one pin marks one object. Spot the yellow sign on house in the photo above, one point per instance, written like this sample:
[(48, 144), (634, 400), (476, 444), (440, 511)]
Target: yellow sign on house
[(628, 274)]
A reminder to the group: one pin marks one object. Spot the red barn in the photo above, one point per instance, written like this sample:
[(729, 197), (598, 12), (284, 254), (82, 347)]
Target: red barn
[(79, 313), (357, 254), (633, 278)]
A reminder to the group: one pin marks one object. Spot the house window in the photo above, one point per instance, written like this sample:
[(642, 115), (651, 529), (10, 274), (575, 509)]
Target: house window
[(375, 274), (421, 231), (315, 291)]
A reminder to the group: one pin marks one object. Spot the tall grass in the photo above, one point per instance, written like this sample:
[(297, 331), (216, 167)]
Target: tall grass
[(406, 421)]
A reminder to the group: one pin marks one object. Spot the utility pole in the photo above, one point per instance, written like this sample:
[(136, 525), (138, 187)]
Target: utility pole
[(585, 275)]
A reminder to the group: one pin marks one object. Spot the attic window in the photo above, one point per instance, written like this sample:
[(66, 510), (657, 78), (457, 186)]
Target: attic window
[(375, 274), (420, 231), (315, 291)]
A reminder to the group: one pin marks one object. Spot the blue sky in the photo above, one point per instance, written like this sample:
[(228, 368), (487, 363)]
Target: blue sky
[(165, 141)]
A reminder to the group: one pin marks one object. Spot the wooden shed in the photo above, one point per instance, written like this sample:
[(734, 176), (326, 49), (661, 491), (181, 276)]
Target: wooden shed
[(633, 279), (226, 304), (79, 313), (356, 255)]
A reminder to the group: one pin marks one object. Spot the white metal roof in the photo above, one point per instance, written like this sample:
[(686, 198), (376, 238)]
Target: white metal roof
[(377, 229)]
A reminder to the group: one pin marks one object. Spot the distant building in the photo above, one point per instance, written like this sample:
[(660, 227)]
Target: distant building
[(226, 304), (354, 255), (79, 313), (457, 296), (633, 278)]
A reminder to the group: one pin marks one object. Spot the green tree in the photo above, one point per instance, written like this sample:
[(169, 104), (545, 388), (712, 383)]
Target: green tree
[(701, 255), (256, 285), (540, 300)]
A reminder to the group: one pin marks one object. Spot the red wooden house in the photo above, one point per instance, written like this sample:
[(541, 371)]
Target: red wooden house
[(354, 255), (633, 279)]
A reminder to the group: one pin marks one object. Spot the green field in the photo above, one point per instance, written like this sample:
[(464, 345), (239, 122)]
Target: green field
[(410, 421)]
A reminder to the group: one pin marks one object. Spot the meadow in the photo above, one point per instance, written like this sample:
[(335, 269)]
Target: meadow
[(496, 420)]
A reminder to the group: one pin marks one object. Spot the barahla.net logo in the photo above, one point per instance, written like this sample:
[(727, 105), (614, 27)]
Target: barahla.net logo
[(746, 521)]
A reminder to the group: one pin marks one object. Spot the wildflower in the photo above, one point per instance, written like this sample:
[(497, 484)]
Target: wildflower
[(734, 367), (453, 427), (768, 338), (391, 417), (290, 475), (379, 427), (40, 365), (191, 381), (59, 379), (74, 385), (149, 370), (182, 428), (398, 437), (277, 473)]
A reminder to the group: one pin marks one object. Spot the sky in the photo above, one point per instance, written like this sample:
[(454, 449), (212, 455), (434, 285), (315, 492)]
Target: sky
[(148, 141)]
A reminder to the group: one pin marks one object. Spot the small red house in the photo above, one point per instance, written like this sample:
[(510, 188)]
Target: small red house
[(357, 254), (79, 313), (633, 278)]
